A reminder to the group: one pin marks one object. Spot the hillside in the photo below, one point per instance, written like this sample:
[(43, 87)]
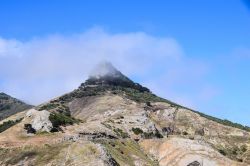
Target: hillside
[(10, 106), (110, 120)]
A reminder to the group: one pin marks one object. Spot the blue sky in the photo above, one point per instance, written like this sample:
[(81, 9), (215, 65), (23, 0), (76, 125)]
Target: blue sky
[(193, 52)]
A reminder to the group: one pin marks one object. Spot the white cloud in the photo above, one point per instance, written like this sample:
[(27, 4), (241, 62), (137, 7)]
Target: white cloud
[(9, 47), (42, 68)]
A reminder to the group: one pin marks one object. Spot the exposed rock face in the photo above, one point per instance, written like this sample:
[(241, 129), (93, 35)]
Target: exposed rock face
[(179, 151), (40, 120), (194, 163)]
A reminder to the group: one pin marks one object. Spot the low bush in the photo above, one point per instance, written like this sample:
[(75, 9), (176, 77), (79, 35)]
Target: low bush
[(121, 133), (137, 131), (148, 135), (58, 119), (48, 106), (222, 152), (158, 134), (233, 153)]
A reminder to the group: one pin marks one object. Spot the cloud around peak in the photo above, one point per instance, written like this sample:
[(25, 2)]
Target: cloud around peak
[(44, 67)]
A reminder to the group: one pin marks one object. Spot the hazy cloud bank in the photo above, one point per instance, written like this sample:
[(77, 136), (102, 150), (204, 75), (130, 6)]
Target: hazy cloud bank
[(42, 68)]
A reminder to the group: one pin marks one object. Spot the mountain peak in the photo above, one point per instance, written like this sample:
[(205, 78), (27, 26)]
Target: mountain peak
[(105, 74), (105, 69)]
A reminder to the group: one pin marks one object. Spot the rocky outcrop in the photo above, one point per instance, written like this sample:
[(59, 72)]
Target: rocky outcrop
[(195, 163), (88, 136), (40, 120), (180, 151)]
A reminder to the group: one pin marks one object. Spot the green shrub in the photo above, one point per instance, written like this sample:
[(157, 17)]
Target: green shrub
[(137, 131), (222, 152), (121, 133), (48, 106), (58, 119), (232, 152), (158, 134), (148, 135)]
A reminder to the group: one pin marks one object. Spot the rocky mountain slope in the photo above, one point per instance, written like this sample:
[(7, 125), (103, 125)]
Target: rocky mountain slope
[(110, 120)]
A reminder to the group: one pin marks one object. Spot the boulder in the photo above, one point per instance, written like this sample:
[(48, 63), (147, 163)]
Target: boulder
[(40, 120)]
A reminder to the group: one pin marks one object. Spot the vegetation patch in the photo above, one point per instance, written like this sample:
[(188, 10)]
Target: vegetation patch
[(222, 152), (48, 106), (55, 106), (41, 155), (137, 131), (42, 133), (150, 135), (123, 152), (158, 134), (21, 156), (10, 106), (224, 122), (134, 92), (233, 152), (106, 125), (4, 107), (120, 133), (8, 124), (58, 119)]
